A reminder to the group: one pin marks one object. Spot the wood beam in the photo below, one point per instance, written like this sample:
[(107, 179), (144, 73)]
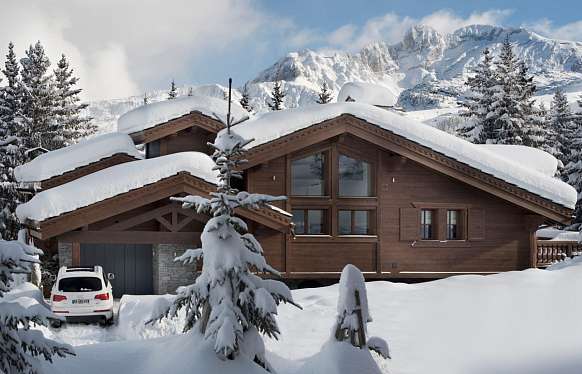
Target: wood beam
[(131, 237)]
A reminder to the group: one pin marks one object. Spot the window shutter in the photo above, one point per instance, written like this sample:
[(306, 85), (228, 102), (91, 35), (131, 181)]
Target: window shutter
[(476, 223), (409, 224)]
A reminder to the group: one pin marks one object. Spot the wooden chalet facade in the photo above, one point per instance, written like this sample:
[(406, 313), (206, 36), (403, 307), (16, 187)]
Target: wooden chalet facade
[(357, 193)]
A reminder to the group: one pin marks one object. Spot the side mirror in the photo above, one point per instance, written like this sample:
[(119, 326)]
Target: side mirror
[(53, 277), (110, 276)]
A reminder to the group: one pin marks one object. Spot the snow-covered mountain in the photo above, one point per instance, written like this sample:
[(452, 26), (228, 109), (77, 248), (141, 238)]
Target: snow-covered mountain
[(426, 68)]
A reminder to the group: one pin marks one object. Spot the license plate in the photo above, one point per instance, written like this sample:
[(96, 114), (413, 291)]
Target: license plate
[(81, 301)]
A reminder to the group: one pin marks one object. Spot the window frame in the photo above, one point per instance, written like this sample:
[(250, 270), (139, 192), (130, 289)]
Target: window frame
[(371, 217), (440, 233), (433, 224), (326, 172), (325, 224), (461, 224)]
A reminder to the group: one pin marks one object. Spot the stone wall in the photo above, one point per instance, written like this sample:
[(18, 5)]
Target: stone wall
[(65, 254), (169, 275)]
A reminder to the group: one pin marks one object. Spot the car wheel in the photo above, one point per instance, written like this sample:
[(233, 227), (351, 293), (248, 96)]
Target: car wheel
[(56, 324)]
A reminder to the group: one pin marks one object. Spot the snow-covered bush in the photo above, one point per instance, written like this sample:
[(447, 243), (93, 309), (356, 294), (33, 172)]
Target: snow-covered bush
[(229, 304), (353, 314), (19, 345)]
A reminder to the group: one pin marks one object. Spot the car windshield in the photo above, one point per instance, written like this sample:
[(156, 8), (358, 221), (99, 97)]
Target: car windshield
[(80, 284)]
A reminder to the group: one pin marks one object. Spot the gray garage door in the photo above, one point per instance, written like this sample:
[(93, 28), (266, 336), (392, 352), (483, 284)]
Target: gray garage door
[(131, 264)]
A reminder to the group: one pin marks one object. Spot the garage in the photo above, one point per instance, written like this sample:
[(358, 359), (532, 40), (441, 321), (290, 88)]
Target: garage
[(131, 264)]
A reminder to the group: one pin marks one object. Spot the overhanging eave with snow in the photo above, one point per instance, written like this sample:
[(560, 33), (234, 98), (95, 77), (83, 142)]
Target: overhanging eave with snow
[(277, 134), (123, 191)]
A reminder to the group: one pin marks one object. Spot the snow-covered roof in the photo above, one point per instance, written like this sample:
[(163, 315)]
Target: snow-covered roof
[(150, 115), (368, 93), (270, 126), (113, 181), (85, 152), (555, 234), (532, 158)]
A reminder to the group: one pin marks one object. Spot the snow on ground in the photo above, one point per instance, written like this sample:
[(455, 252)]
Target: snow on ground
[(523, 322), (150, 115), (267, 127), (74, 156), (369, 93), (113, 181)]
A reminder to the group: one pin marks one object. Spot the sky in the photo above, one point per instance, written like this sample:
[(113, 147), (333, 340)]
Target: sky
[(126, 47)]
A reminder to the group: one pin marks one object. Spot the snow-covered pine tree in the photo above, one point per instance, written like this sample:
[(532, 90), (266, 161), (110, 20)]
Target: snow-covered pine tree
[(11, 149), (190, 91), (275, 100), (20, 346), (38, 100), (72, 126), (145, 99), (478, 101), (508, 101), (353, 314), (324, 95), (229, 304), (172, 94), (533, 122), (245, 100), (573, 170), (560, 118)]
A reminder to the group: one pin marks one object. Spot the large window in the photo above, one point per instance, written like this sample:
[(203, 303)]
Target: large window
[(308, 175), (355, 177), (354, 222), (427, 231), (454, 224), (310, 221)]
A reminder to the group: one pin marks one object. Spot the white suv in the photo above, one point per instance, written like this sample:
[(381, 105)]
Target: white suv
[(82, 294)]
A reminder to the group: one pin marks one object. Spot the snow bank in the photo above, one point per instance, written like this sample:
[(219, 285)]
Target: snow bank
[(150, 115), (532, 158), (187, 353), (113, 181), (85, 152), (270, 126), (340, 358), (136, 311), (463, 324), (369, 93), (567, 263)]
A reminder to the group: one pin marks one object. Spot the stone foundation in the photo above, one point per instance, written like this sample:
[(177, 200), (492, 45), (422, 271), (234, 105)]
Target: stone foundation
[(169, 275)]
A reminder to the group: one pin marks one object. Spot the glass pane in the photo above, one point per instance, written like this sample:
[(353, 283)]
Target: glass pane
[(345, 222), (354, 177), (452, 224), (307, 176), (80, 284), (299, 221), (426, 224), (360, 222), (315, 222)]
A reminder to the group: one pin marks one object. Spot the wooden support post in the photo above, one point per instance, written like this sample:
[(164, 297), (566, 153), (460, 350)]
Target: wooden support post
[(361, 324), (76, 255)]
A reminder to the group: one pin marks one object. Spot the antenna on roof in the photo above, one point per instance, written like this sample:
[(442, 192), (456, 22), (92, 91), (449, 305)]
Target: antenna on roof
[(229, 100)]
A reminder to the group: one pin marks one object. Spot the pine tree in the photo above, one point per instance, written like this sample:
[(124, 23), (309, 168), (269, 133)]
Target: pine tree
[(145, 99), (478, 102), (38, 100), (560, 121), (533, 122), (245, 100), (11, 147), (72, 126), (324, 95), (508, 121), (20, 346), (228, 303), (275, 100), (172, 94)]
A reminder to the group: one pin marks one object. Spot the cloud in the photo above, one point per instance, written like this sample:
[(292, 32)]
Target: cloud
[(119, 48), (391, 27), (545, 27)]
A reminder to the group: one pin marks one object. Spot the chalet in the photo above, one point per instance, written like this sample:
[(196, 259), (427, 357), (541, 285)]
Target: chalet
[(397, 198)]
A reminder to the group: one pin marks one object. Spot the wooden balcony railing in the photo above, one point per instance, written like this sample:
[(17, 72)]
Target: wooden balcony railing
[(555, 251)]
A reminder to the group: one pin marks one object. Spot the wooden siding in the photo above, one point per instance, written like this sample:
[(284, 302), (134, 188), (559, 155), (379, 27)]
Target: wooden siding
[(497, 233), (188, 140)]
